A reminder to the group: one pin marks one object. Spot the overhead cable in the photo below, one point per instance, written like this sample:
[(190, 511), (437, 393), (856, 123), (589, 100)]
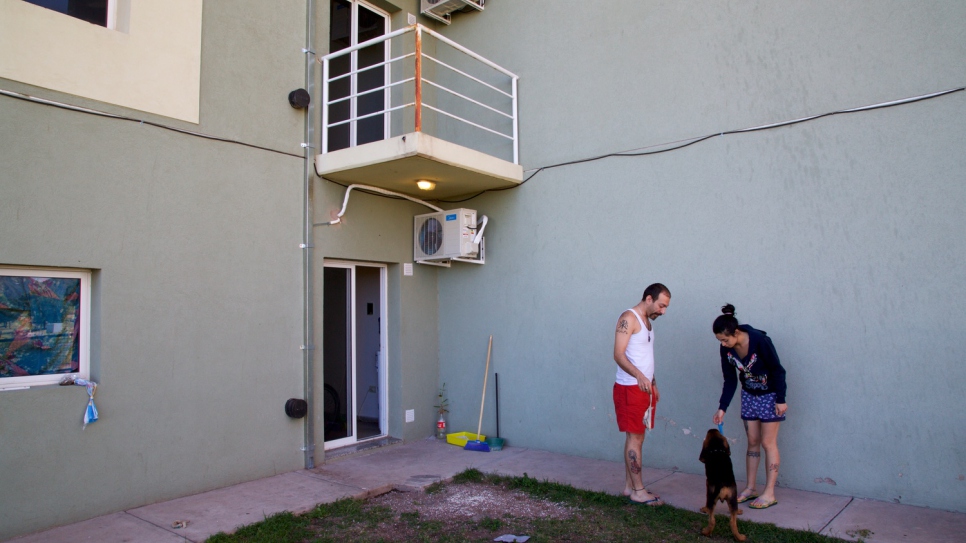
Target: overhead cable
[(89, 111), (680, 144)]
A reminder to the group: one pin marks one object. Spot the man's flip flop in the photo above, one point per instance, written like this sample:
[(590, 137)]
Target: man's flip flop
[(656, 501), (763, 505), (742, 498)]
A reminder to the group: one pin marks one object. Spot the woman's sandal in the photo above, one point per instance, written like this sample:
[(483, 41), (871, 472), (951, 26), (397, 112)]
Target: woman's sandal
[(762, 505), (746, 495)]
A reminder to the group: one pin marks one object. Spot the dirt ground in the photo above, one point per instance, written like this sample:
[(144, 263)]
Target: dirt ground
[(471, 501), (475, 511)]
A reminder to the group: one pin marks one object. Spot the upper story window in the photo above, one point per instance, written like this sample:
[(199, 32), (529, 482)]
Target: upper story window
[(357, 94), (44, 326), (92, 11)]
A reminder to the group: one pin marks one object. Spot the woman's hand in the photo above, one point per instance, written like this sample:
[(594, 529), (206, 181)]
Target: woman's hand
[(718, 417), (780, 409)]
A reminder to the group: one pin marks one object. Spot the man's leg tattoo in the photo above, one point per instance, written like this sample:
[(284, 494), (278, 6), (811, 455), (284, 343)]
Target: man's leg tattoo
[(773, 467), (635, 466), (754, 454)]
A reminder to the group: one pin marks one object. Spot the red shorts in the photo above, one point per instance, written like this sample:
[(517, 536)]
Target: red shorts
[(634, 408)]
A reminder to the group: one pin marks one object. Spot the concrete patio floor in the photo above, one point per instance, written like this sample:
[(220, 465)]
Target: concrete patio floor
[(413, 466)]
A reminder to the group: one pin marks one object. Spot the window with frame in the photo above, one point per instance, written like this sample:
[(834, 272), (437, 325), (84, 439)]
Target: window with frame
[(357, 87), (44, 326), (98, 12)]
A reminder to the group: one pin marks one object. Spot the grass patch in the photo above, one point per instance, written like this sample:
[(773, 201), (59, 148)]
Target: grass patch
[(283, 528), (491, 524), (596, 517), (471, 475)]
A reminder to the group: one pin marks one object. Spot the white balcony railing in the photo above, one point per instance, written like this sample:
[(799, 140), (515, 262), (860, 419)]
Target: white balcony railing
[(401, 83)]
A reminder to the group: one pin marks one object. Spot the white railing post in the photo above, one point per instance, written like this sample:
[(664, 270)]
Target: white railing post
[(516, 129), (353, 88), (325, 105)]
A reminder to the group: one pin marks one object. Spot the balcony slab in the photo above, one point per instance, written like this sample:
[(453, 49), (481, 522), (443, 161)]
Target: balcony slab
[(397, 163)]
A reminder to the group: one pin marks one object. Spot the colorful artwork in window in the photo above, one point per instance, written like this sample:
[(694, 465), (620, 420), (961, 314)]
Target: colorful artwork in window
[(39, 325)]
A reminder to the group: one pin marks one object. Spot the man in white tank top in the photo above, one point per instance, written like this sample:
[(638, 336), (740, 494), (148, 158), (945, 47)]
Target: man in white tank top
[(635, 389)]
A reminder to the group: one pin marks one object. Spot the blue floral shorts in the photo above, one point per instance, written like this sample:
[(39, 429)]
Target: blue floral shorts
[(759, 407)]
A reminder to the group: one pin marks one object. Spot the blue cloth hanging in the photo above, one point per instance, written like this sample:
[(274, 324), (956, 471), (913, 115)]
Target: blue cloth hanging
[(90, 414)]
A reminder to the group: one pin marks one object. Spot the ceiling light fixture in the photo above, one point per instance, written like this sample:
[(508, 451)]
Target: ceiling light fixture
[(425, 185)]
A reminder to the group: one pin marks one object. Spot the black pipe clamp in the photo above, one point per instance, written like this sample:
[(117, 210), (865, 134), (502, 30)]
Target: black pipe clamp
[(299, 98), (296, 408)]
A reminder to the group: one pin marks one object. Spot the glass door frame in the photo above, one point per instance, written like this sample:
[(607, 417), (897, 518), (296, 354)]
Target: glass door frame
[(383, 374)]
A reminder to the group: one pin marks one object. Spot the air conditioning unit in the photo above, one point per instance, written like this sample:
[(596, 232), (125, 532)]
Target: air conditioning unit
[(446, 235), (441, 10)]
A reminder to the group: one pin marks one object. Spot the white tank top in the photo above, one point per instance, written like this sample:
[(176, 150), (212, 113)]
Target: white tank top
[(640, 351)]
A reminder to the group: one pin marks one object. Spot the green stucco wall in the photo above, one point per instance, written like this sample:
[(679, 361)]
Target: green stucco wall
[(377, 229), (197, 293), (840, 237), (197, 288), (190, 246)]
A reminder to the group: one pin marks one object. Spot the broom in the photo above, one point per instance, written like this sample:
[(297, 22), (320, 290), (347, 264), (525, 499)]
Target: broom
[(479, 445)]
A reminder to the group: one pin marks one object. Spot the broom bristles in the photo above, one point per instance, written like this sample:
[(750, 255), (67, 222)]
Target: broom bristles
[(476, 446)]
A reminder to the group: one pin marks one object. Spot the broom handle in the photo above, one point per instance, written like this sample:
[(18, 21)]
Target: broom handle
[(496, 389), (485, 375)]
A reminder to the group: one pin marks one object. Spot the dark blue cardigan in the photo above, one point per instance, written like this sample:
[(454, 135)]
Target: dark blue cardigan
[(760, 372)]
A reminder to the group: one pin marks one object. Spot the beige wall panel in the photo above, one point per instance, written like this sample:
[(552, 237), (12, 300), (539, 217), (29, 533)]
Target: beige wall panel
[(154, 67)]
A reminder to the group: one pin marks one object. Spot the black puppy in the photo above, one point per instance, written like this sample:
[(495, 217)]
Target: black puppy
[(716, 456)]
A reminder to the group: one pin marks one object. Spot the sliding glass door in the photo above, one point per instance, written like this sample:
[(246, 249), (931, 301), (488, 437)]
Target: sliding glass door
[(353, 350)]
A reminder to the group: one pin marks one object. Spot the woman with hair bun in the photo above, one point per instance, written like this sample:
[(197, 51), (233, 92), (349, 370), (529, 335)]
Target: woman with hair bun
[(763, 407)]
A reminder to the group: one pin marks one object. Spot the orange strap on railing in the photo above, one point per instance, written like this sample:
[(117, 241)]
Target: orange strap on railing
[(419, 80)]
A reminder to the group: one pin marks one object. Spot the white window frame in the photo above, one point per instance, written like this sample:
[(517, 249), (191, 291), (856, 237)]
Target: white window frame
[(354, 67), (386, 73), (112, 14), (8, 383)]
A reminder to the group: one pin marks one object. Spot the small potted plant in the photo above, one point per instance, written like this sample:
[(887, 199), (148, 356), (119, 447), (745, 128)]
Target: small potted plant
[(442, 407)]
